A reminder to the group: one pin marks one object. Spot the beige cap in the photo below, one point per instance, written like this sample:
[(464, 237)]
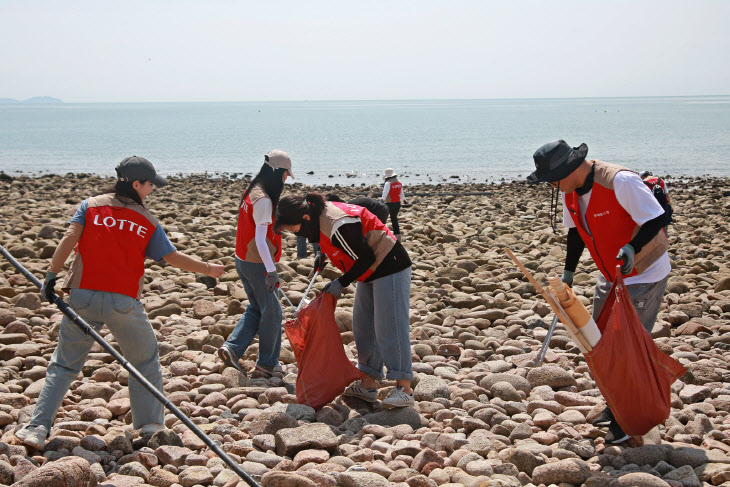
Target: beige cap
[(278, 159), (389, 173)]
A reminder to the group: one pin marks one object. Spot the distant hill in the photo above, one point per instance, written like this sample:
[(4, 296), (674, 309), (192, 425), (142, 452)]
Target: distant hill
[(34, 100)]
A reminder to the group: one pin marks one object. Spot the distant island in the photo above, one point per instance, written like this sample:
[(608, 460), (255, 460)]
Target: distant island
[(34, 100)]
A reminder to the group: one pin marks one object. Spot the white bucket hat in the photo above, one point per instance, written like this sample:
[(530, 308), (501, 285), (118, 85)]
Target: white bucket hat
[(389, 173)]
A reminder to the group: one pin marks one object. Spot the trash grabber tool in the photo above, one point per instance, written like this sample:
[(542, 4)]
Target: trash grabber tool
[(87, 329), (552, 301), (546, 344), (286, 297), (306, 292)]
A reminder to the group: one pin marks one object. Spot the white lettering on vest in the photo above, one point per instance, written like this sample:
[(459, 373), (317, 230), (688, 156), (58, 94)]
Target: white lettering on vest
[(111, 222), (603, 213)]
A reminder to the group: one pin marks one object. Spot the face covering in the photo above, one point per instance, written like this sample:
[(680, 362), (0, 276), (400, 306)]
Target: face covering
[(308, 230)]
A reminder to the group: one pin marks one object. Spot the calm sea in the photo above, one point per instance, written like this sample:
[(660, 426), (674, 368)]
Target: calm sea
[(352, 142)]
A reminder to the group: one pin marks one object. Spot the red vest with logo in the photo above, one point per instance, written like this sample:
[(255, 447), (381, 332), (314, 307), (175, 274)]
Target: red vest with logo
[(394, 193), (112, 247), (377, 235), (246, 248), (611, 226)]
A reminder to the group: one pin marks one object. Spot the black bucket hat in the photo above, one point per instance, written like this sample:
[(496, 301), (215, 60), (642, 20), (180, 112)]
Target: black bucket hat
[(556, 160)]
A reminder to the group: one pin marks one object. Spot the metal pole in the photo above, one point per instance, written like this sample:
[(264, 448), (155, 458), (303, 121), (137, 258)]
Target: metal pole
[(71, 314), (546, 344), (306, 292)]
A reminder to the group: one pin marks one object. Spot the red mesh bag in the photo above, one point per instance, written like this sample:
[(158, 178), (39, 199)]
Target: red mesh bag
[(324, 369), (631, 372)]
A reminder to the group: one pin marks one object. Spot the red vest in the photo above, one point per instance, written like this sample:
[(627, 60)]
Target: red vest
[(394, 193), (246, 249), (611, 227), (370, 226), (112, 249)]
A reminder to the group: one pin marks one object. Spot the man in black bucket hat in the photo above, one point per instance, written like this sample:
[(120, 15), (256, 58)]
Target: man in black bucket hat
[(608, 209)]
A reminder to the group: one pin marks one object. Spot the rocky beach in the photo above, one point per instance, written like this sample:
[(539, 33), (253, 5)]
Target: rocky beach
[(484, 416)]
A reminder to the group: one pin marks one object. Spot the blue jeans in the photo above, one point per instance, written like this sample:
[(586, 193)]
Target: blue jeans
[(302, 250), (127, 320), (380, 324), (262, 316)]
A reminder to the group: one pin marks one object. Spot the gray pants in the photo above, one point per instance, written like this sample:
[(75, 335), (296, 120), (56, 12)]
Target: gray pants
[(380, 324), (127, 320), (646, 297)]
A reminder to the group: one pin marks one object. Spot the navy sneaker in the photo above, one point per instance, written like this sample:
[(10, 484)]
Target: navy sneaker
[(615, 434), (605, 418)]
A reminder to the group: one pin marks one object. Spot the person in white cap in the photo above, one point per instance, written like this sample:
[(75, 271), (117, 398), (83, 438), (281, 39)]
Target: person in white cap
[(392, 196), (112, 234), (257, 250)]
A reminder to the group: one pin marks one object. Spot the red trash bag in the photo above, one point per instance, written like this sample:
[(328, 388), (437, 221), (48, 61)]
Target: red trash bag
[(324, 369), (631, 372)]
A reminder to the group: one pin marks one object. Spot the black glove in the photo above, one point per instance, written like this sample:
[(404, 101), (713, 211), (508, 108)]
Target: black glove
[(626, 254), (48, 286), (272, 281), (334, 288), (568, 277), (320, 262)]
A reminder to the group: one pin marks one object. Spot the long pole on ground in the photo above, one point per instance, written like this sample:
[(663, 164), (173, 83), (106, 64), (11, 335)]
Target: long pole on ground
[(78, 321)]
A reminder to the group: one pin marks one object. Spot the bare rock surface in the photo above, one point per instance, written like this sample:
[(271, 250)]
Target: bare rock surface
[(484, 415)]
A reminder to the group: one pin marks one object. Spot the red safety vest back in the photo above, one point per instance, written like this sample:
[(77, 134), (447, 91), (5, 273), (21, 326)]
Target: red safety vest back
[(246, 249), (377, 235), (112, 246), (395, 190)]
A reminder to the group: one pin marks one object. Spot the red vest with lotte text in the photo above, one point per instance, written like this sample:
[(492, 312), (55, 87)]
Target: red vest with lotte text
[(394, 193), (370, 226), (246, 248), (112, 249), (611, 227)]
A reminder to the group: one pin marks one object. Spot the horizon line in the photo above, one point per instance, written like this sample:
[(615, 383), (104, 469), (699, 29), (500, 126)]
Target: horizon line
[(21, 101)]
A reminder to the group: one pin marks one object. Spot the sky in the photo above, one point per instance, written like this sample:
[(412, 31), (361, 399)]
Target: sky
[(215, 50)]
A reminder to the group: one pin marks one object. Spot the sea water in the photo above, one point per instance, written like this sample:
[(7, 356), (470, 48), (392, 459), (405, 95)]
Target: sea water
[(353, 142)]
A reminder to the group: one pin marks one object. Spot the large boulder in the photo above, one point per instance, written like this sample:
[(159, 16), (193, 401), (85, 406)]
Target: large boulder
[(569, 471), (290, 441), (65, 472)]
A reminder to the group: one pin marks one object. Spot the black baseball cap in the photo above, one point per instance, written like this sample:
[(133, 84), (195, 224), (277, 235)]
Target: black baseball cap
[(136, 168), (556, 160)]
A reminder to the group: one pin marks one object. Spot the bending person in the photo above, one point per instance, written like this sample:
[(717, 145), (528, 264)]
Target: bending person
[(112, 234), (364, 249), (608, 209), (257, 248)]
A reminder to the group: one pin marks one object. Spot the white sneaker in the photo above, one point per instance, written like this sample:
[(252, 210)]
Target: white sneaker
[(356, 389), (229, 358), (398, 398), (150, 429), (34, 436)]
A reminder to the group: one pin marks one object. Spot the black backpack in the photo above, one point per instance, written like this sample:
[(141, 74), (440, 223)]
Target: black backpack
[(655, 186)]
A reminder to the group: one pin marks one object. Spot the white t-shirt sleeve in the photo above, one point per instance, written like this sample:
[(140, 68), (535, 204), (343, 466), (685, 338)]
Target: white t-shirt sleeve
[(386, 190), (635, 197), (567, 219), (262, 212), (263, 248)]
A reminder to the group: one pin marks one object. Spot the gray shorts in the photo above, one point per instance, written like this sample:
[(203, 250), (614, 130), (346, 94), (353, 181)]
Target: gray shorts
[(647, 298)]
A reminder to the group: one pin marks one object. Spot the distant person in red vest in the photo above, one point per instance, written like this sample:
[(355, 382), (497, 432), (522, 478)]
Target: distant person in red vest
[(392, 196), (608, 209), (112, 235), (363, 248), (257, 250)]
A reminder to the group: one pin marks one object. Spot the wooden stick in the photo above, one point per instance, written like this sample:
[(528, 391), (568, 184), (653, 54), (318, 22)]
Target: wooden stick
[(552, 301)]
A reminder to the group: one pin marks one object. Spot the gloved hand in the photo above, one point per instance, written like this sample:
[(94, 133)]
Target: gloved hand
[(272, 281), (626, 254), (320, 261), (334, 288), (48, 286), (568, 277)]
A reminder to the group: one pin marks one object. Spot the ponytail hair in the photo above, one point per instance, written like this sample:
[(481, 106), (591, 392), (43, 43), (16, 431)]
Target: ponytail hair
[(125, 189), (291, 209), (272, 180)]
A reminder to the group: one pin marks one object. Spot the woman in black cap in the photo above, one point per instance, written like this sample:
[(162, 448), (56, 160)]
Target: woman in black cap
[(112, 233)]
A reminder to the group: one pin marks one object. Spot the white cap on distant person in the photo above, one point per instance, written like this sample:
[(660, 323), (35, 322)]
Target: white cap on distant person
[(278, 159)]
